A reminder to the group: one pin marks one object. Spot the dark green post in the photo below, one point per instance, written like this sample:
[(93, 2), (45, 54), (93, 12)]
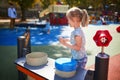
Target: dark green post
[(101, 66)]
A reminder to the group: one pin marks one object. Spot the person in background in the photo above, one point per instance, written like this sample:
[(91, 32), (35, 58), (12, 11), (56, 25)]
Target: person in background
[(48, 26), (12, 14), (77, 18), (102, 20), (116, 17)]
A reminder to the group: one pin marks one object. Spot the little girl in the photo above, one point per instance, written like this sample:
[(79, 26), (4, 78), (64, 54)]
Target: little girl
[(77, 18)]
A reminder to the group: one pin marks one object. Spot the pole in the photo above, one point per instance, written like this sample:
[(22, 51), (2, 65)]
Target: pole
[(20, 46), (101, 67)]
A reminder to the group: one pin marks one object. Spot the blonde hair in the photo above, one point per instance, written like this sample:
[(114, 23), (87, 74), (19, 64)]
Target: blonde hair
[(82, 15)]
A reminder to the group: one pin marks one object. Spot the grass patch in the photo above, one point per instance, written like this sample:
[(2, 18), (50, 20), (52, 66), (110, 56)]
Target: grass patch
[(8, 54)]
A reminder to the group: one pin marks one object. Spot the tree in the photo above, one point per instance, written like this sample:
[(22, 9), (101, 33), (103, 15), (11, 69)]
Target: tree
[(46, 3), (72, 3), (24, 5), (116, 5)]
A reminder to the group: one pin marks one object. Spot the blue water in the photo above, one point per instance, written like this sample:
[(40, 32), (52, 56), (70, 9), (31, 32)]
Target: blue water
[(38, 37)]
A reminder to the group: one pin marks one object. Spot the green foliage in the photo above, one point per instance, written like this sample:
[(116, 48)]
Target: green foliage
[(96, 4), (24, 3), (45, 3), (117, 6), (72, 3)]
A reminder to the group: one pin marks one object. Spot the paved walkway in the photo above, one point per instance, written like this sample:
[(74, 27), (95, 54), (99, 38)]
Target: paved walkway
[(114, 68), (5, 23), (17, 20)]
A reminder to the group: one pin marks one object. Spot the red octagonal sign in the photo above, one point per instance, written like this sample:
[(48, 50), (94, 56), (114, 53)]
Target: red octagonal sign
[(102, 38)]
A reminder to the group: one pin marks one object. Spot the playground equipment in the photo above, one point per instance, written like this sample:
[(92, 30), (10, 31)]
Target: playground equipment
[(65, 67), (56, 14), (118, 29), (102, 38), (24, 45), (23, 48), (54, 9), (36, 58)]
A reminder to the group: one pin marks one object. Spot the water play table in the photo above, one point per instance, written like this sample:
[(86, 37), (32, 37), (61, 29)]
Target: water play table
[(45, 72)]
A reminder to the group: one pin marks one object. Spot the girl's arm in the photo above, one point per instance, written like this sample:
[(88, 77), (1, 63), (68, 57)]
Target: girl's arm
[(76, 46)]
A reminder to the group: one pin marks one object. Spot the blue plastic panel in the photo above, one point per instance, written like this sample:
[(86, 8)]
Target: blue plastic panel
[(65, 64)]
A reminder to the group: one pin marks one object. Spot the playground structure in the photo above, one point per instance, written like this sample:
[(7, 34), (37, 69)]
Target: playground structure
[(23, 48), (56, 14), (102, 38)]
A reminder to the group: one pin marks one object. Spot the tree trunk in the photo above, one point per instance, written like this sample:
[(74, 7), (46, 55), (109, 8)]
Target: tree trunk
[(23, 18)]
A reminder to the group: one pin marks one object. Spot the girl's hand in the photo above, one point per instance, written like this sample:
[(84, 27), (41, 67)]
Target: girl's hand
[(62, 40)]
